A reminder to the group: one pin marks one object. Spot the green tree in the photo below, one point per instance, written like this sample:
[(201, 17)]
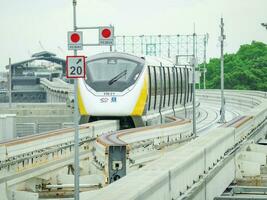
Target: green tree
[(246, 69)]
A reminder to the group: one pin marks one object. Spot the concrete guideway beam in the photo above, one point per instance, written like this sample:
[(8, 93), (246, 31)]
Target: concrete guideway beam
[(179, 173), (240, 198), (213, 183), (17, 167), (38, 171), (209, 152)]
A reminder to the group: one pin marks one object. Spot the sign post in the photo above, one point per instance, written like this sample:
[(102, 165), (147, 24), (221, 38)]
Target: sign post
[(76, 120), (75, 68)]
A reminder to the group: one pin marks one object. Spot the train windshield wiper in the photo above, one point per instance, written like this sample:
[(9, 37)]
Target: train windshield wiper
[(117, 77)]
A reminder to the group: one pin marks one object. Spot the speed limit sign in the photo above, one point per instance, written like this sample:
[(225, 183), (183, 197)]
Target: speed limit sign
[(75, 67)]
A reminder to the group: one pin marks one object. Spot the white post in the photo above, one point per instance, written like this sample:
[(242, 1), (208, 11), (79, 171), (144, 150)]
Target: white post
[(205, 60), (76, 122), (194, 84), (10, 84), (222, 37)]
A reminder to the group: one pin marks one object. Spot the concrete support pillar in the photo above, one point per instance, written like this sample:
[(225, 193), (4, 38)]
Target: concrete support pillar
[(4, 191), (52, 97)]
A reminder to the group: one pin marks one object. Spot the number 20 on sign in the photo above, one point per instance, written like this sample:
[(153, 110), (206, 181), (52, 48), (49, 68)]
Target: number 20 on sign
[(75, 67)]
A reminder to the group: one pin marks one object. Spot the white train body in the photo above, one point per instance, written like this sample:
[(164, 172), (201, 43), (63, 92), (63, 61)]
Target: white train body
[(135, 90)]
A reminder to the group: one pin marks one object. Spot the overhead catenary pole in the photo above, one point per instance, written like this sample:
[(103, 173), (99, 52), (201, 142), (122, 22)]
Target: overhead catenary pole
[(76, 122), (205, 60), (10, 84), (194, 84), (222, 38)]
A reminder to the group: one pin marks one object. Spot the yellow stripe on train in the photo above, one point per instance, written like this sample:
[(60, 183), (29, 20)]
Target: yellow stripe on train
[(81, 104), (140, 105)]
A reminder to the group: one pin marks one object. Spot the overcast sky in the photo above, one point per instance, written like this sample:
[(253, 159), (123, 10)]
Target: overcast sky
[(27, 23)]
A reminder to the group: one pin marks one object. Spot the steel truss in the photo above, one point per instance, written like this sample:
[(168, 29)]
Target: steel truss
[(177, 47)]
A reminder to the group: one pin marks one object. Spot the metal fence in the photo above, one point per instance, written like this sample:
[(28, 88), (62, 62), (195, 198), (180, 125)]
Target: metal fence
[(179, 47), (24, 129)]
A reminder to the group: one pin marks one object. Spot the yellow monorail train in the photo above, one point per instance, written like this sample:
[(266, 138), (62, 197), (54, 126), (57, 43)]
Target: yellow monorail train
[(137, 91)]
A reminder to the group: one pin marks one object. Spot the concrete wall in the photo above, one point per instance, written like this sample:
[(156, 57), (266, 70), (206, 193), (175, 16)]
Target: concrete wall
[(7, 126), (32, 118)]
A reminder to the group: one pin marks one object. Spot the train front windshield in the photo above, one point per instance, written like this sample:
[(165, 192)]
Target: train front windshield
[(112, 74)]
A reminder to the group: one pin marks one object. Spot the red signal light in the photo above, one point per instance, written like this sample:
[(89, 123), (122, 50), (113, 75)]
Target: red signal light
[(106, 33), (75, 37)]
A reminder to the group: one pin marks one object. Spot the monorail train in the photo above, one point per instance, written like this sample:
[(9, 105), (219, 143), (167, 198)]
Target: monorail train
[(137, 91)]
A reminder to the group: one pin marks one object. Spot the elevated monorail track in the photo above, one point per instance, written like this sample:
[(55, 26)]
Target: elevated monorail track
[(144, 146), (22, 155), (193, 170)]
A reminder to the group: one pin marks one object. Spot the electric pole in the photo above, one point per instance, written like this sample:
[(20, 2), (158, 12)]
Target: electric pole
[(205, 60), (222, 38), (10, 84), (194, 59)]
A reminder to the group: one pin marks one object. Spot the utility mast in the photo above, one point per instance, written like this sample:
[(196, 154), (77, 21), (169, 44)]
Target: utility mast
[(205, 60), (222, 38)]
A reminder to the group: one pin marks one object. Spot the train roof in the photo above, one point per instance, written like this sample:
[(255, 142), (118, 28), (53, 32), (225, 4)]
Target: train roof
[(149, 60), (158, 61)]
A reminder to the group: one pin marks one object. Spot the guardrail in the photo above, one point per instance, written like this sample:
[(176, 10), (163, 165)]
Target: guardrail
[(57, 85), (244, 99)]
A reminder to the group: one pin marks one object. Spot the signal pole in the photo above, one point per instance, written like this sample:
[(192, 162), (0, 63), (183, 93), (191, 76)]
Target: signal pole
[(76, 122), (10, 84), (205, 59), (194, 84), (222, 38), (106, 38)]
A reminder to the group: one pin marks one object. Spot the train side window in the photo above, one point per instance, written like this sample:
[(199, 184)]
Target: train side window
[(152, 75), (150, 86), (177, 84), (158, 87), (173, 85), (185, 84), (164, 86), (169, 84), (155, 87), (181, 85), (188, 85), (191, 91), (161, 86)]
